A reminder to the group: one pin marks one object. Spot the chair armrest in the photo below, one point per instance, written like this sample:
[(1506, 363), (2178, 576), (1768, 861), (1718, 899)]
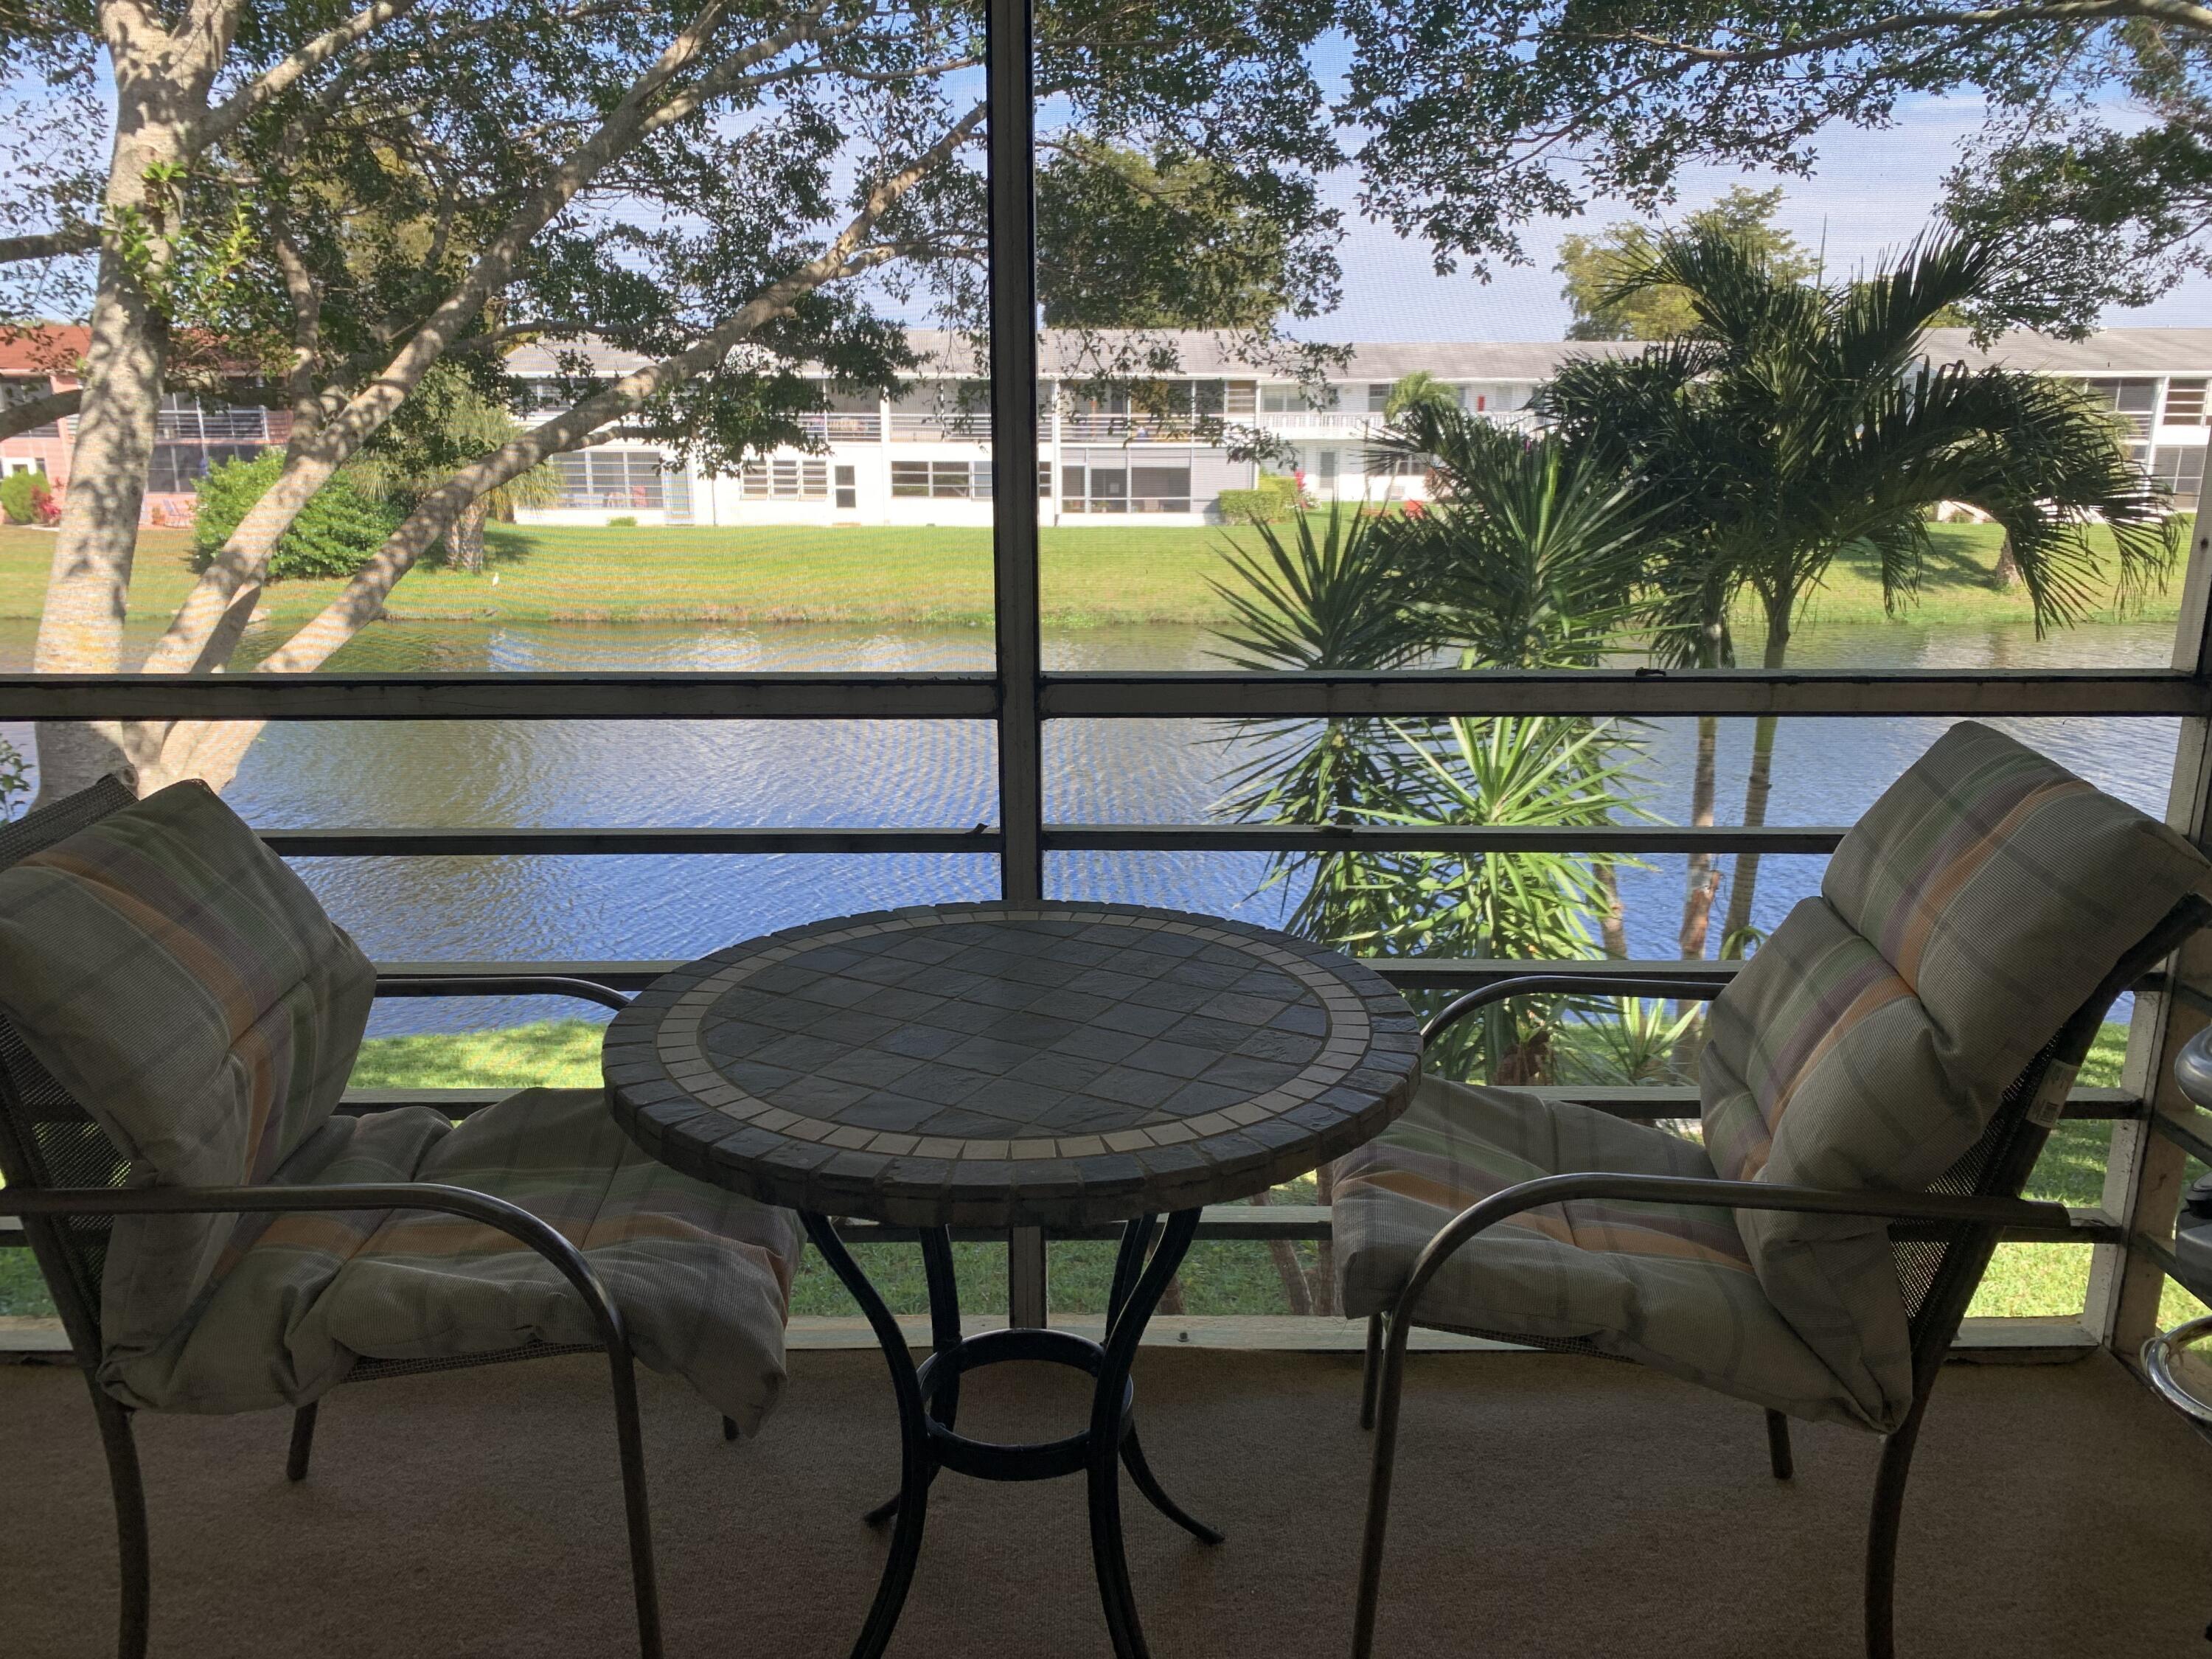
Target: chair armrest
[(509, 985), (509, 1219), (1617, 985), (1957, 1210)]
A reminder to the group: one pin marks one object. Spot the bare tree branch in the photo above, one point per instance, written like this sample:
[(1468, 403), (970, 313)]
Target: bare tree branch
[(48, 244), (847, 255), (2182, 13), (279, 76), (18, 418)]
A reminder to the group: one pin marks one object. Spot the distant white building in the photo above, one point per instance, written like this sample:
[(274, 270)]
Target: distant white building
[(924, 457)]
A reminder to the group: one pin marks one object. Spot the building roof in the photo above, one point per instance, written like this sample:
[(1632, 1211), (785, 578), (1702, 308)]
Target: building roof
[(2108, 351), (1063, 354), (43, 348)]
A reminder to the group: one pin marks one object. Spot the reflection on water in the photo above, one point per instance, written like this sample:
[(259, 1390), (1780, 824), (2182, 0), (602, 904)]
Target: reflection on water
[(942, 773)]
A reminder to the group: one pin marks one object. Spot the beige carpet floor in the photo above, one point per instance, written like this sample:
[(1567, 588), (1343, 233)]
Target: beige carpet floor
[(1547, 1506)]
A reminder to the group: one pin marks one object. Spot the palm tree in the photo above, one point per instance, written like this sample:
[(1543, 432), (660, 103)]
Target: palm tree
[(1419, 389), (449, 421), (1805, 419)]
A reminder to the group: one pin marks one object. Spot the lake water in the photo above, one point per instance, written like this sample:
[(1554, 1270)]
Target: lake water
[(553, 773)]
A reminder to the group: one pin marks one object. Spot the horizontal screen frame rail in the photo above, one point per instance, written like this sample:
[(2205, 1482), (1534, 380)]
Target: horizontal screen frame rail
[(336, 841), (2140, 693)]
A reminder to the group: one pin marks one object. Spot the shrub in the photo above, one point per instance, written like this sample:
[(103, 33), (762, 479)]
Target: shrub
[(335, 534), (627, 521), (1253, 506), (44, 509), (1277, 497), (16, 493)]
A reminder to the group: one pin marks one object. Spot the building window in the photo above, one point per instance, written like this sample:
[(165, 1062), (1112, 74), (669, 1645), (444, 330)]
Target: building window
[(2179, 469), (182, 415), (1384, 464), (1160, 489), (1124, 489), (942, 481), (1293, 400), (2134, 400), (848, 493), (2184, 403), (177, 468), (624, 479), (784, 479)]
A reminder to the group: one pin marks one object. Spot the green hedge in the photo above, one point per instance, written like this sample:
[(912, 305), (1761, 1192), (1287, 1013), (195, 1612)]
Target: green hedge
[(336, 533), (17, 491)]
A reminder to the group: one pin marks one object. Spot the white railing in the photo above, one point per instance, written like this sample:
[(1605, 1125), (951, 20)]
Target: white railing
[(1363, 422), (942, 426), (844, 426), (251, 424)]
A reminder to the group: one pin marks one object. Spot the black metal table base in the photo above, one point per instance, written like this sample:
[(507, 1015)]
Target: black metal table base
[(928, 1398)]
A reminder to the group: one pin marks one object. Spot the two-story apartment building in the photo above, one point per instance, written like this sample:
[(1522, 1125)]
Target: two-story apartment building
[(923, 456)]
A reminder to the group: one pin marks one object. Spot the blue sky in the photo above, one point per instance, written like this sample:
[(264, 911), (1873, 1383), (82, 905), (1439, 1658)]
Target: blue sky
[(1872, 191)]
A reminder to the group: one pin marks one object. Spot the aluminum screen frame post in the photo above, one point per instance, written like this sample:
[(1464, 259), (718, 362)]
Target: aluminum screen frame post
[(2143, 1174), (1008, 27)]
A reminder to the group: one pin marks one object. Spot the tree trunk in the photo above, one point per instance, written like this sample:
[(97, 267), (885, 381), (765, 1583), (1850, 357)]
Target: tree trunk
[(2007, 577), (1702, 880), (1613, 925), (1323, 1279), (1760, 784), (464, 541), (1284, 1254), (89, 588)]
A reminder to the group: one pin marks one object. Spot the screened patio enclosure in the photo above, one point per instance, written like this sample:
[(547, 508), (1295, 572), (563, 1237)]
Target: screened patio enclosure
[(1057, 737), (681, 705)]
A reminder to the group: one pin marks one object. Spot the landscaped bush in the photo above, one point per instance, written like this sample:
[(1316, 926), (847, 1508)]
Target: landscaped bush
[(18, 495), (1276, 499), (335, 534)]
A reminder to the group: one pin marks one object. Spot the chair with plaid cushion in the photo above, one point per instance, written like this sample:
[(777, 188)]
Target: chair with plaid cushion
[(1876, 1085), (177, 1020)]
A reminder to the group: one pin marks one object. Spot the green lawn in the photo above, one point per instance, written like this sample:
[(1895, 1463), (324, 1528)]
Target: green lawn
[(1225, 1278), (1091, 576)]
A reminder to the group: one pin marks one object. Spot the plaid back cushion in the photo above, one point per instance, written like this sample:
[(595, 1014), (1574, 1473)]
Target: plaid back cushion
[(1976, 905), (184, 985)]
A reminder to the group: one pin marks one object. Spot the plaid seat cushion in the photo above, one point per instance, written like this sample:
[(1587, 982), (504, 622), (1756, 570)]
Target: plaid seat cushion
[(1978, 903), (1670, 1285), (181, 982), (701, 1277)]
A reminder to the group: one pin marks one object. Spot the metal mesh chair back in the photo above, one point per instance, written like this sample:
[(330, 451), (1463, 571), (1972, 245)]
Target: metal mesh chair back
[(47, 1139)]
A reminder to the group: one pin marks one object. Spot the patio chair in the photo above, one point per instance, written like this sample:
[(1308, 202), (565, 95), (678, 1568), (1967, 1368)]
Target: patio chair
[(178, 1021), (1877, 1083)]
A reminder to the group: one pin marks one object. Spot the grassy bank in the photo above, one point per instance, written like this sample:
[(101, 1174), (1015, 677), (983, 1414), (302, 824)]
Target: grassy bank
[(2024, 1280), (1091, 577)]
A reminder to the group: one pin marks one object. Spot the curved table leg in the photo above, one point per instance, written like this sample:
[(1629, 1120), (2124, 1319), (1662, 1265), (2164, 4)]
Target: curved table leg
[(1107, 1553), (915, 1464), (1148, 1483), (944, 1335)]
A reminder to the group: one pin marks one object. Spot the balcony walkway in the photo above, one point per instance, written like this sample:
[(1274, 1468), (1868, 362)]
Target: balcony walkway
[(1553, 1506)]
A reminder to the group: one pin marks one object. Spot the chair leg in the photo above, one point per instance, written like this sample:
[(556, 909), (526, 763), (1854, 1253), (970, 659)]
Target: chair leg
[(1881, 1535), (644, 1581), (130, 1494), (1389, 1387), (303, 1442), (1370, 1370), (1777, 1446)]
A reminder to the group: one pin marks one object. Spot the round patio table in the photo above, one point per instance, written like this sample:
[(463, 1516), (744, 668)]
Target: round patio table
[(1002, 1066)]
